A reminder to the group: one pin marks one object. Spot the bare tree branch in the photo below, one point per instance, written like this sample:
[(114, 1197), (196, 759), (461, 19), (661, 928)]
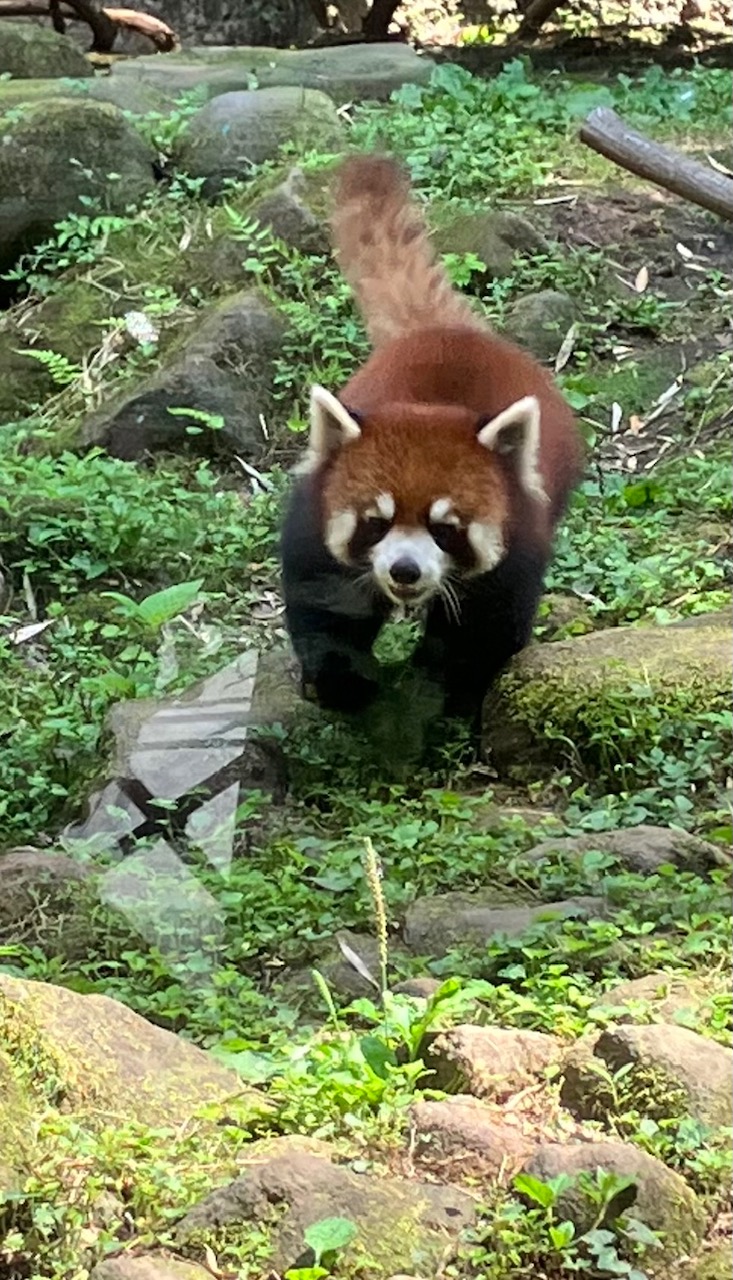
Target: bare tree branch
[(104, 22)]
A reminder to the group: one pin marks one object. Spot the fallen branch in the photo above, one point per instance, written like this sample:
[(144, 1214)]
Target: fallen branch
[(162, 36), (603, 131)]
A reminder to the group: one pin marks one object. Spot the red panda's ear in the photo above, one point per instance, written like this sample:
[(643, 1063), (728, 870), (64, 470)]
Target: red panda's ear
[(332, 426), (516, 431)]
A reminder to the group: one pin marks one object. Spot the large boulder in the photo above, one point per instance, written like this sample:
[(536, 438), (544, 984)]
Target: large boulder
[(28, 51), (648, 682), (348, 73), (98, 1060), (55, 152), (463, 1127), (490, 1062), (434, 925), (686, 999), (403, 1226), (223, 369), (643, 849), (287, 212), (698, 1068), (659, 1198), (238, 130), (495, 236)]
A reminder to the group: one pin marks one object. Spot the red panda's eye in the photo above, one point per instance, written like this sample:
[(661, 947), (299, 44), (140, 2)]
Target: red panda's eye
[(449, 537), (372, 529), (376, 524)]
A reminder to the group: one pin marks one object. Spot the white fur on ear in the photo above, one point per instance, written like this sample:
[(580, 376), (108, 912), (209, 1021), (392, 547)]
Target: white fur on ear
[(517, 430), (331, 427)]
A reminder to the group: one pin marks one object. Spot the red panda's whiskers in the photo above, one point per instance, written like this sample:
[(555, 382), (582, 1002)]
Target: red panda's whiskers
[(449, 595)]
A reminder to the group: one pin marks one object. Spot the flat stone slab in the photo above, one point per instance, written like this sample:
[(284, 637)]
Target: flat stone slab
[(347, 73)]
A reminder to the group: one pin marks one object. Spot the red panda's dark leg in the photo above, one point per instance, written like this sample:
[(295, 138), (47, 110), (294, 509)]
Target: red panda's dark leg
[(332, 616), (467, 652), (335, 653)]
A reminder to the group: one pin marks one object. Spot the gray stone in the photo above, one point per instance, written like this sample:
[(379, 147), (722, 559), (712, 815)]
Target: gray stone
[(460, 1126), (490, 1062), (682, 998), (53, 154), (659, 1198), (285, 211), (348, 73), (701, 1068), (148, 1266), (223, 368), (236, 131), (129, 95), (402, 1225), (494, 236), (45, 901), (644, 849), (418, 988), (28, 51), (540, 321), (434, 925)]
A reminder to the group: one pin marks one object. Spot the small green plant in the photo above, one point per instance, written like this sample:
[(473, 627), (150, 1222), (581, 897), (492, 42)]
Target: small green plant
[(62, 371), (529, 1229), (200, 420), (327, 1238)]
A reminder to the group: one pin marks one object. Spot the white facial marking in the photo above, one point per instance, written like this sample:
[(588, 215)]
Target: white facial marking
[(339, 531), (442, 512), (522, 417), (487, 544), (383, 508), (415, 545)]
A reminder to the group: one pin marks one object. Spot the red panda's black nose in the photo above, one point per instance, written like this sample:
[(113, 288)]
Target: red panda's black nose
[(405, 572)]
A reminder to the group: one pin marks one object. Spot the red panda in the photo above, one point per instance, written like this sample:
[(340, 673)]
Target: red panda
[(435, 478)]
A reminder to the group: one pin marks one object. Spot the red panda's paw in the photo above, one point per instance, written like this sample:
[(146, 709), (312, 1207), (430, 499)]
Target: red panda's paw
[(337, 687)]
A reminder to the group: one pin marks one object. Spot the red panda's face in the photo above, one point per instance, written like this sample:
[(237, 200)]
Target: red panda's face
[(414, 496)]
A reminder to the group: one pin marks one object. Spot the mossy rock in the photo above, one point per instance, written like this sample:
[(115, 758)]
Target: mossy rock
[(94, 1058), (70, 323), (658, 1197), (29, 51), (714, 1264), (87, 302), (287, 1185), (540, 321), (244, 128), (16, 1129), (495, 236), (57, 151), (348, 73), (137, 98), (609, 697)]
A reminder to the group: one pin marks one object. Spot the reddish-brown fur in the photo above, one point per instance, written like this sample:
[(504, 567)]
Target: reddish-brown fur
[(411, 479), (437, 369)]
